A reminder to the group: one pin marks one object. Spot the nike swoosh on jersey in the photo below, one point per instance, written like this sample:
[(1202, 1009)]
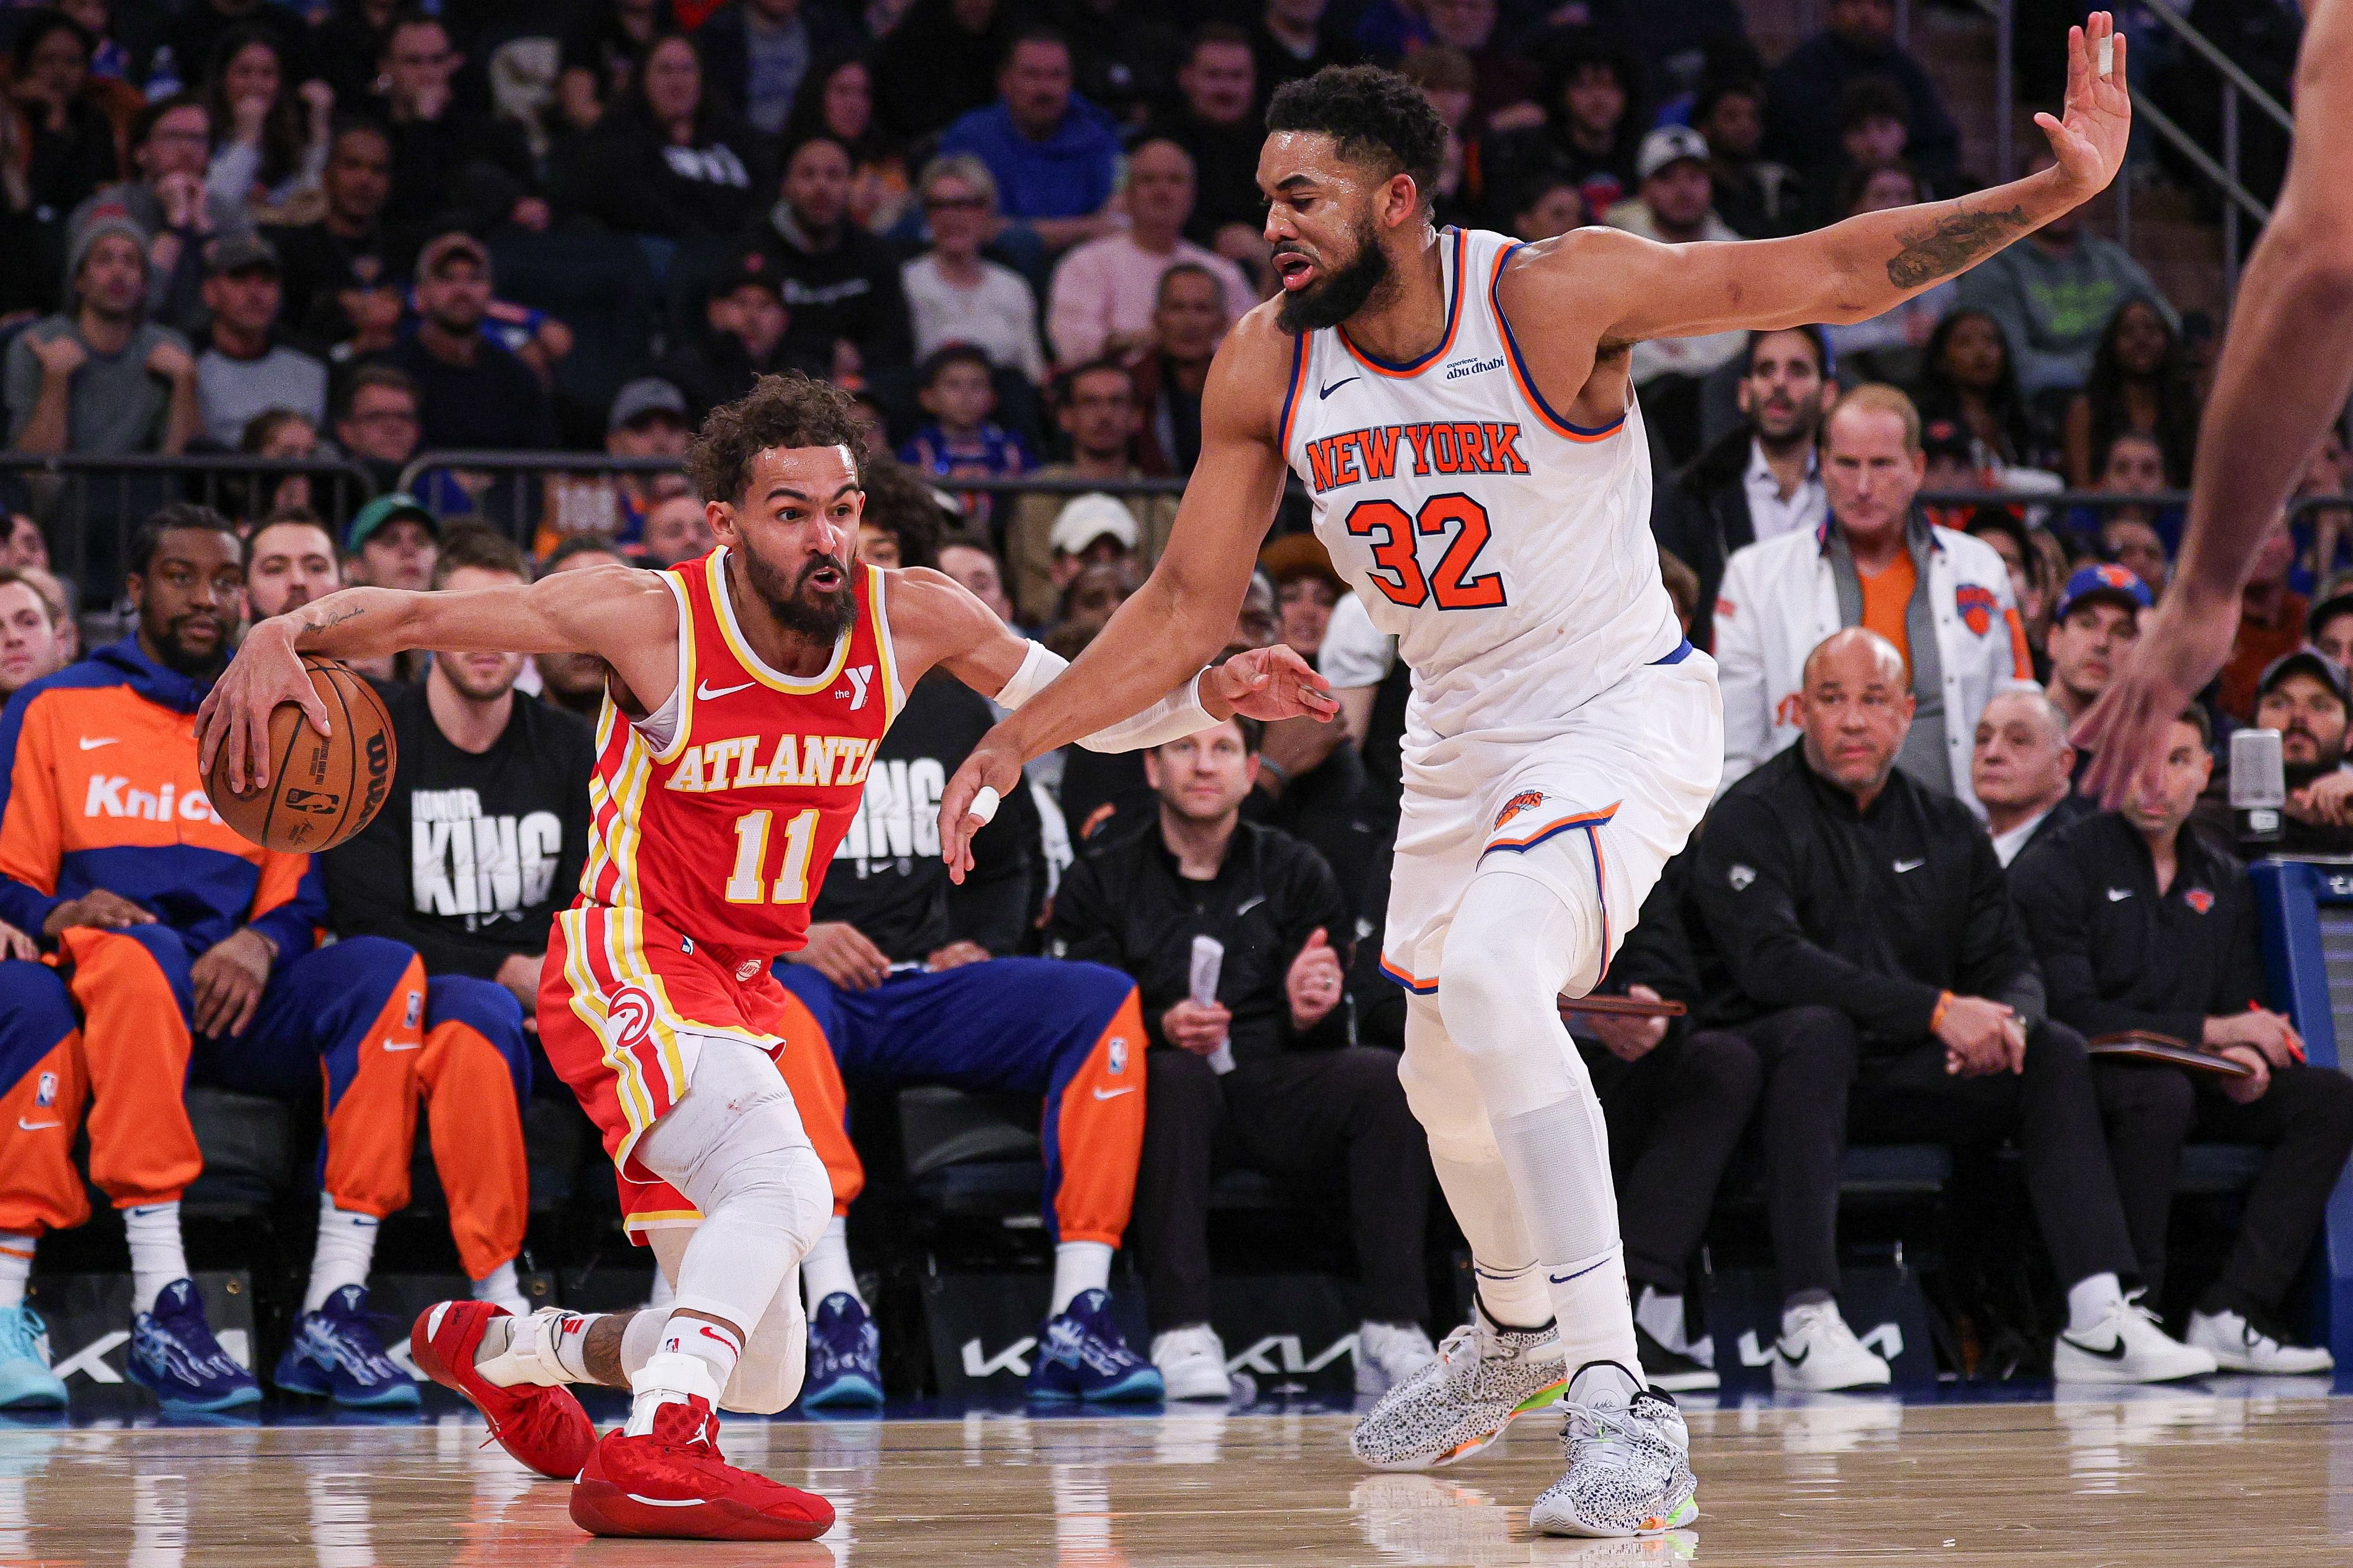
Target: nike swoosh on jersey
[(1325, 392), (88, 744), (1903, 865), (1114, 1093), (24, 1126), (704, 694)]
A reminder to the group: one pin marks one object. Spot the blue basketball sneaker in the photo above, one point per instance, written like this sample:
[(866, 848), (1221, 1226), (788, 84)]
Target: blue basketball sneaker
[(25, 1380), (845, 1356), (335, 1354), (174, 1356), (1080, 1355)]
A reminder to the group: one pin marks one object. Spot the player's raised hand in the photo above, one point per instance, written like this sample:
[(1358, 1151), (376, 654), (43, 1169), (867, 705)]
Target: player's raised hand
[(266, 672), (2181, 645), (1270, 684), (991, 773), (2088, 137)]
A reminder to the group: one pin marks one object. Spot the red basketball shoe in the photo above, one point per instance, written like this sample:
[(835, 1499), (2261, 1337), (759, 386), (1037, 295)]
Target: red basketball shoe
[(543, 1428), (670, 1482)]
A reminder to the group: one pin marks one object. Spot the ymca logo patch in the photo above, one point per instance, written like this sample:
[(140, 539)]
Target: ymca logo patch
[(2198, 898), (859, 679), (1977, 605), (1527, 800)]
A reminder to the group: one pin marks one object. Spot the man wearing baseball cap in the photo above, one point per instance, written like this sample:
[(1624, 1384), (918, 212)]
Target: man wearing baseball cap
[(1673, 204), (648, 419), (2306, 696), (2095, 624), (392, 542), (243, 370), (471, 392)]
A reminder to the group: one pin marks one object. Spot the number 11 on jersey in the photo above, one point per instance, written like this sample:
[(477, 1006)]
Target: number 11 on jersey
[(746, 884)]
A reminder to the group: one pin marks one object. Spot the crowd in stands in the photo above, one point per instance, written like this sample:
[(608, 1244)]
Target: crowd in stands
[(1017, 234)]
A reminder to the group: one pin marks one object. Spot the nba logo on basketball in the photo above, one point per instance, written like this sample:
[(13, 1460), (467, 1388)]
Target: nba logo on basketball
[(1976, 607), (1527, 800)]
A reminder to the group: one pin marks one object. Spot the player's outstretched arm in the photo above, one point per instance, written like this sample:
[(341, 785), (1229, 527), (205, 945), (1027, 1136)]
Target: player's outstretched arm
[(2285, 372), (625, 616), (1866, 266)]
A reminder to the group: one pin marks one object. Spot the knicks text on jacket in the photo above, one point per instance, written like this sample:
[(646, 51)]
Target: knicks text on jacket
[(801, 760), (115, 797), (1461, 446)]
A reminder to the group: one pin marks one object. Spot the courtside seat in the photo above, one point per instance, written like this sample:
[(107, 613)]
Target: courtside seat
[(1895, 1169), (248, 1148)]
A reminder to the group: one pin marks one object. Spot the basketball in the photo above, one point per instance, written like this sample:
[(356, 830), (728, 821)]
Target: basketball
[(322, 788)]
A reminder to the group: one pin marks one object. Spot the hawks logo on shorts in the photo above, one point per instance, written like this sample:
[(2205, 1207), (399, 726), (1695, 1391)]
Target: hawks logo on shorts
[(631, 1013), (1527, 800), (1977, 605)]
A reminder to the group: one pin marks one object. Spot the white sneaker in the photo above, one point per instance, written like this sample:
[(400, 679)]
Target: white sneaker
[(2238, 1345), (1192, 1363), (1389, 1353), (1818, 1353), (2127, 1345), (1629, 1460)]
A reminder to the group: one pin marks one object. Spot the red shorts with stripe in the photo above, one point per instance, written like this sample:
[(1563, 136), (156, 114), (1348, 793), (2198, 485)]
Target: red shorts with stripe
[(624, 1003)]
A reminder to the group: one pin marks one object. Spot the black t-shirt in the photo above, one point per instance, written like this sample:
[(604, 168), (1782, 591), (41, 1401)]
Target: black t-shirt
[(316, 266), (494, 402), (887, 877), (471, 856)]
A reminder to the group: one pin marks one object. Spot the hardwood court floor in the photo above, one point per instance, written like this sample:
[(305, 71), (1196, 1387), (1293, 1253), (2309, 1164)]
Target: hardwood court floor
[(2149, 1479)]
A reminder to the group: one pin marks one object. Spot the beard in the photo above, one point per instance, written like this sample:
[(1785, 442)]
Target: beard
[(201, 664), (1343, 291), (800, 609)]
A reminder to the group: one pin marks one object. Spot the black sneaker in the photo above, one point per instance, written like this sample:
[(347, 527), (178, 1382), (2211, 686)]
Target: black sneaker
[(1671, 1371)]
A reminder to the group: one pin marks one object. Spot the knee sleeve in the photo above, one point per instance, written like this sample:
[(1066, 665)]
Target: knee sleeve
[(767, 1376), (1441, 1088), (1515, 944)]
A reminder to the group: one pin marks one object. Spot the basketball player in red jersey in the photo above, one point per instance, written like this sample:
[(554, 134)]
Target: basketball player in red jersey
[(749, 690)]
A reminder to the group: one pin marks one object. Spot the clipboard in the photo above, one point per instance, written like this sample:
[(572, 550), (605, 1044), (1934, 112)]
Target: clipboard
[(2141, 1046), (1621, 1007)]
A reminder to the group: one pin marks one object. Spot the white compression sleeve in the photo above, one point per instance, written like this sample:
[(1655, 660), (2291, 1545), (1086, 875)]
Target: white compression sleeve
[(1172, 718)]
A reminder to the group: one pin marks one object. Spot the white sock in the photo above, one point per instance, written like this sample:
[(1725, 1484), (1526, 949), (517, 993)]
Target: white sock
[(156, 1257), (1513, 1298), (15, 1267), (502, 1289), (2090, 1299), (714, 1344), (825, 1270), (1662, 1316), (346, 1250), (1079, 1267)]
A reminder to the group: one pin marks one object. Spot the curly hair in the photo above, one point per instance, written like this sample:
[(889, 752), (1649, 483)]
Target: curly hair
[(786, 411), (1373, 115), (903, 505)]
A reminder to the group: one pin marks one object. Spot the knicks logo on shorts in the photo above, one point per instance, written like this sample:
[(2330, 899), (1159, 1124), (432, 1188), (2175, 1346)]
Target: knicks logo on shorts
[(629, 1017), (1527, 800), (1977, 605)]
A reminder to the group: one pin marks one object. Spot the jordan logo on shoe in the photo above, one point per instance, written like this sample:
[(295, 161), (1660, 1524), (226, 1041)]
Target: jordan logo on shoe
[(2113, 1352)]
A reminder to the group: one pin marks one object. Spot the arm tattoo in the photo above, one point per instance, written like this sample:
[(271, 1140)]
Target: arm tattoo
[(1952, 244)]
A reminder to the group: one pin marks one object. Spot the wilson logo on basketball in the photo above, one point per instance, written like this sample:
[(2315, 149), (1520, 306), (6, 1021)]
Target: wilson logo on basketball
[(1527, 800), (631, 1014), (1977, 605)]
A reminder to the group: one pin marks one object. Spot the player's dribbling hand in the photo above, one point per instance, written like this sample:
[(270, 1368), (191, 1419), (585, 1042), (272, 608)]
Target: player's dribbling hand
[(266, 672), (2181, 646), (992, 765), (1268, 684)]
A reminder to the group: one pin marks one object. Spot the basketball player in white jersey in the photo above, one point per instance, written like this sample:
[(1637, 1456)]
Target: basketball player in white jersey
[(1459, 405)]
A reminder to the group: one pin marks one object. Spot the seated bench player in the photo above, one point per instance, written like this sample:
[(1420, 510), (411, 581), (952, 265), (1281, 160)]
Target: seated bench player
[(177, 950)]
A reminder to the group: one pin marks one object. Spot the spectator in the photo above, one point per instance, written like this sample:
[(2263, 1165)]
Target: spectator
[(2140, 925), (67, 136), (2330, 627), (471, 391), (1189, 323), (378, 427), (601, 55), (1221, 128), (2139, 384), (1941, 599), (2055, 292), (2130, 541), (840, 284), (393, 543), (1055, 156), (838, 102), (676, 531), (269, 139), (101, 380), (279, 433), (1299, 1099), (1124, 57), (648, 419), (448, 162), (1856, 930), (1969, 375), (1592, 132), (1289, 42), (2009, 539), (1763, 480), (1808, 85), (1503, 78), (1872, 132), (1084, 609), (576, 681), (2094, 627), (743, 337), (1675, 1101), (1306, 589), (2304, 698), (347, 46), (1671, 205), (1888, 346), (956, 295), (175, 215), (670, 159), (1093, 530), (339, 271), (2022, 772), (190, 955), (2271, 625), (1097, 413), (2131, 464), (32, 639), (756, 54), (289, 561), (196, 33), (1756, 198), (1104, 291), (22, 542), (940, 60), (962, 438), (1549, 208), (1446, 78), (975, 567), (476, 847), (903, 516), (243, 370)]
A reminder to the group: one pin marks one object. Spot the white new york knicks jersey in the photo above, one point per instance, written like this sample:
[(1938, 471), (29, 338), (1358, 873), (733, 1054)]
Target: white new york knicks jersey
[(1508, 551)]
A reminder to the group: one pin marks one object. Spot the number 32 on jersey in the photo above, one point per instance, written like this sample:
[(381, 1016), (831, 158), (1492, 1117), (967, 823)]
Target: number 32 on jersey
[(1455, 583)]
